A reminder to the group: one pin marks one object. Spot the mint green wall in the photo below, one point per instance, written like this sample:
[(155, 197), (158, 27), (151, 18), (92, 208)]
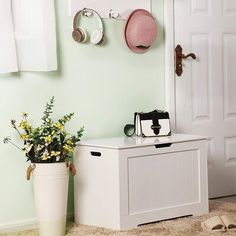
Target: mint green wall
[(103, 85)]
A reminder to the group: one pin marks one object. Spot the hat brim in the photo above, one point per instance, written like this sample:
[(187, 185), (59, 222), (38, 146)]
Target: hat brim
[(131, 47)]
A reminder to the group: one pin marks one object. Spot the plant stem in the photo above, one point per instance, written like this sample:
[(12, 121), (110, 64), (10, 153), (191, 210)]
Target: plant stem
[(14, 145)]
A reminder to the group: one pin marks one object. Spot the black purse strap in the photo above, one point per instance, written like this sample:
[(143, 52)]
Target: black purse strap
[(129, 129)]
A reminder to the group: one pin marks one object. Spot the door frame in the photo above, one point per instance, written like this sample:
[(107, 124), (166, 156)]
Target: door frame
[(169, 41)]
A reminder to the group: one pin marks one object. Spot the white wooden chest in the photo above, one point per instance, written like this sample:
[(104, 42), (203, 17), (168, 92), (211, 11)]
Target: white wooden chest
[(124, 182)]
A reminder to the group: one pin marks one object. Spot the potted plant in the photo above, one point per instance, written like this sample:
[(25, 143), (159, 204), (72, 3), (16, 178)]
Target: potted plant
[(49, 148)]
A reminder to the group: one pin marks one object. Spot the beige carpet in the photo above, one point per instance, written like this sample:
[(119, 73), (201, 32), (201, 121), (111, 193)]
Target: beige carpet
[(188, 226)]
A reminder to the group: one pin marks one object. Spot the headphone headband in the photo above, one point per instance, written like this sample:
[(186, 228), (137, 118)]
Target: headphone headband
[(77, 15)]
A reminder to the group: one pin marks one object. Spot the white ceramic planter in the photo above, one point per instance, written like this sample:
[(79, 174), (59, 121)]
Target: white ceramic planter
[(51, 189)]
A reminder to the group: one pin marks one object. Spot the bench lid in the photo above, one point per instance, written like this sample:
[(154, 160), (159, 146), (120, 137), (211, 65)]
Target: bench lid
[(131, 142)]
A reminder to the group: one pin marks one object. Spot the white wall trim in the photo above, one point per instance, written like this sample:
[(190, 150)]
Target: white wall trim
[(26, 224), (169, 61), (19, 225)]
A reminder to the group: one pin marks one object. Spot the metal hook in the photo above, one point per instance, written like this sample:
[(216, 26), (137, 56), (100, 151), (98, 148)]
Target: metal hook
[(87, 12), (113, 15)]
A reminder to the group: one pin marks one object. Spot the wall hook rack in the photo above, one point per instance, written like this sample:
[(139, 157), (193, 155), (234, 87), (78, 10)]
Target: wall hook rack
[(110, 9)]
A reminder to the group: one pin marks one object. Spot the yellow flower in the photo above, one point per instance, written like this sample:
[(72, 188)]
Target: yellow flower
[(24, 125), (59, 126), (21, 125), (45, 156), (69, 142), (55, 154), (48, 139), (25, 136), (68, 148)]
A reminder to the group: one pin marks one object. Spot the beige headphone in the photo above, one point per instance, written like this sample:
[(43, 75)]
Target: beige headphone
[(79, 34)]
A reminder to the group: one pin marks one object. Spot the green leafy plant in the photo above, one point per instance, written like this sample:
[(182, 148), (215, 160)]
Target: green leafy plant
[(49, 142)]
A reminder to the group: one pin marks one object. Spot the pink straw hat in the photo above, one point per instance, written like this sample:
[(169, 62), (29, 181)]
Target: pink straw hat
[(140, 31)]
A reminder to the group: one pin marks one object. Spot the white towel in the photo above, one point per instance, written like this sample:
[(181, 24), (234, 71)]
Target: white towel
[(35, 35), (8, 57)]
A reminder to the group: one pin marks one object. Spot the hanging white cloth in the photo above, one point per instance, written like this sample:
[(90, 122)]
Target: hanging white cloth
[(34, 34), (8, 57)]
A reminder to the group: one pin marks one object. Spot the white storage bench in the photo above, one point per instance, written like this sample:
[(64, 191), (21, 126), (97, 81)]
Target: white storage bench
[(124, 182)]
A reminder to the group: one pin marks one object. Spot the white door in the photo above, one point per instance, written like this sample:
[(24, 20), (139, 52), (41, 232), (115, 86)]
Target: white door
[(206, 91)]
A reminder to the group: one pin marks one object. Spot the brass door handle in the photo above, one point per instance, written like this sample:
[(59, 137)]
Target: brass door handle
[(179, 56)]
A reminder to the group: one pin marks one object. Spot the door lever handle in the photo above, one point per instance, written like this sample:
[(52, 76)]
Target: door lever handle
[(179, 56), (189, 55)]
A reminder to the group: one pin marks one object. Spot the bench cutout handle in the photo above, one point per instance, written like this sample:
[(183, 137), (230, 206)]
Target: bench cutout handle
[(96, 154), (163, 145)]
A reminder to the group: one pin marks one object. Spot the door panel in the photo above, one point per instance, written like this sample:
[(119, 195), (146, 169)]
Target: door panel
[(200, 78), (229, 7), (229, 68), (206, 91), (200, 6)]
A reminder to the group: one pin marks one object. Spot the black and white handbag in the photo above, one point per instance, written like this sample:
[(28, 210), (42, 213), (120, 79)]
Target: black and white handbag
[(151, 124)]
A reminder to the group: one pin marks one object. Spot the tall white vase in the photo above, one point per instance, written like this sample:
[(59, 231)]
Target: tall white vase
[(50, 182)]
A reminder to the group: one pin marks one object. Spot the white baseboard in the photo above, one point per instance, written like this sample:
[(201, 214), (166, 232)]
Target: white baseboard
[(19, 225), (27, 224)]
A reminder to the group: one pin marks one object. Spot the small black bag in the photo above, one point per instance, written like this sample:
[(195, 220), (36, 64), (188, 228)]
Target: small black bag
[(151, 124)]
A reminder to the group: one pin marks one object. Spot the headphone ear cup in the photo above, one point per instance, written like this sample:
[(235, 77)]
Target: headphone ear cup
[(79, 35), (97, 37)]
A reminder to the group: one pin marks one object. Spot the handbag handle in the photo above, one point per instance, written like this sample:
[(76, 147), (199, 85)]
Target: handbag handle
[(129, 130)]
